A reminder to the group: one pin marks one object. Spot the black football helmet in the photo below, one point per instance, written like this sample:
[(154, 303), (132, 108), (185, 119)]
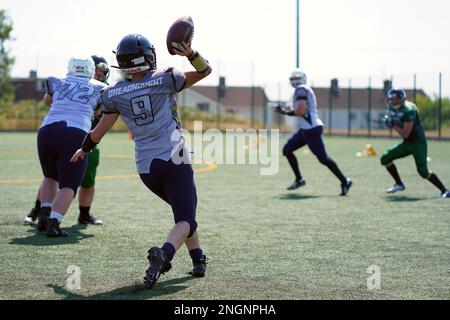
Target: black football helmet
[(399, 95), (135, 54), (101, 62)]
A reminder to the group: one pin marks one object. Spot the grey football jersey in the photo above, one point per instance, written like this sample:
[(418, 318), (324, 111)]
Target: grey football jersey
[(311, 118), (149, 109)]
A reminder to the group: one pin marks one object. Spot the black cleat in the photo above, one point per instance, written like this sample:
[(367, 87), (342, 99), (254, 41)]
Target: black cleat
[(44, 216), (158, 265), (31, 217), (199, 268), (346, 186), (53, 229), (89, 220), (297, 184)]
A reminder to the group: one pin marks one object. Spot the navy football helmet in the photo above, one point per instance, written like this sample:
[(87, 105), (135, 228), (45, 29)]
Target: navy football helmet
[(135, 54), (396, 97)]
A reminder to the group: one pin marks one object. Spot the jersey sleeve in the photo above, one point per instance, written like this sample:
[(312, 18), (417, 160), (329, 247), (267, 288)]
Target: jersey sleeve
[(178, 79), (51, 84), (410, 115), (107, 104), (301, 94)]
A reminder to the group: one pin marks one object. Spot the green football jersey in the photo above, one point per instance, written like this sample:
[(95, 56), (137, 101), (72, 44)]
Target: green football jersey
[(408, 112)]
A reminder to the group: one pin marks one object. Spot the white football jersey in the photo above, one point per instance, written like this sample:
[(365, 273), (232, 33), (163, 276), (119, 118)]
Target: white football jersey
[(311, 118), (74, 100)]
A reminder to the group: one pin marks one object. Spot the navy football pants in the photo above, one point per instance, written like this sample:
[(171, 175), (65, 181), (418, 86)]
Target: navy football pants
[(312, 138), (175, 185), (56, 145)]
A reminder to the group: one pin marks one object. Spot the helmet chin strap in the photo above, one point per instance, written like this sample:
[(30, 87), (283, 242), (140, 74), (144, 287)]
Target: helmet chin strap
[(132, 70)]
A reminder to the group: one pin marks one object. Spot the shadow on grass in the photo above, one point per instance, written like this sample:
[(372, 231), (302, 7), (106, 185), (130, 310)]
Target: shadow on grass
[(394, 198), (295, 196), (41, 239), (131, 292)]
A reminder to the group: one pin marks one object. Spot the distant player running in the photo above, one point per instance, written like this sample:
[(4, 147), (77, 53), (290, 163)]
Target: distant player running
[(309, 133), (147, 104), (403, 117)]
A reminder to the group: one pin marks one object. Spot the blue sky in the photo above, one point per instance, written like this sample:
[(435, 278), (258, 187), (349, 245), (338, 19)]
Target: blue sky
[(246, 41)]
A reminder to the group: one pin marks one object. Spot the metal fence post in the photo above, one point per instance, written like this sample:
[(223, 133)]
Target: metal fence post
[(349, 132), (369, 105), (440, 108), (330, 115)]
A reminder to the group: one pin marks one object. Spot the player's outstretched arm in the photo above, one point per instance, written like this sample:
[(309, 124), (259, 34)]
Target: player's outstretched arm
[(200, 64), (94, 137)]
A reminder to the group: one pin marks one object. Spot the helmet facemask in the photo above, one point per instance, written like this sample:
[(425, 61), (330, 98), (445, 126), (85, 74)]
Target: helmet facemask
[(396, 98), (135, 54), (297, 78)]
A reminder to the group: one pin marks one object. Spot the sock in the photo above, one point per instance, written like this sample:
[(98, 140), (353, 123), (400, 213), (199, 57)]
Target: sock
[(196, 255), (44, 211), (392, 169), (169, 250), (294, 165), (84, 211), (46, 205), (56, 215), (37, 205), (435, 180), (334, 168)]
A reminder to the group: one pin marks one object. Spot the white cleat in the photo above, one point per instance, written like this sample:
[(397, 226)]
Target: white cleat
[(29, 221), (396, 187), (445, 195)]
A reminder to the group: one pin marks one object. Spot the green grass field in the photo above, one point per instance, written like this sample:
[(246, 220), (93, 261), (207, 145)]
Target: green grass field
[(262, 241)]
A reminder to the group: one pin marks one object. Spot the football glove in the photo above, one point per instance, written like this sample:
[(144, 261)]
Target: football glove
[(284, 110), (388, 121)]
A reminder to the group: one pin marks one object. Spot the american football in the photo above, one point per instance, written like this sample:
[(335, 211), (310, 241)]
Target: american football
[(181, 30)]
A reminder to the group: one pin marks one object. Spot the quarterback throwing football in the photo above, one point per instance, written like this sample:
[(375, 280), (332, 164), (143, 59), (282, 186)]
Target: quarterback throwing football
[(147, 103)]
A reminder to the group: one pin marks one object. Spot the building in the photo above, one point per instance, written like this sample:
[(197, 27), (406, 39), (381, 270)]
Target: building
[(355, 107), (245, 102), (29, 88), (339, 108)]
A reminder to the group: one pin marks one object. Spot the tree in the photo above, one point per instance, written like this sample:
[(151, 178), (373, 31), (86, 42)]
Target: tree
[(6, 61)]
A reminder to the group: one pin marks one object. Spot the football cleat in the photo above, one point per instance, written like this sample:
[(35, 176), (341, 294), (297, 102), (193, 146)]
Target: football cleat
[(89, 220), (199, 268), (297, 184), (445, 195), (31, 217), (44, 216), (396, 187), (158, 265), (346, 186), (53, 229)]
